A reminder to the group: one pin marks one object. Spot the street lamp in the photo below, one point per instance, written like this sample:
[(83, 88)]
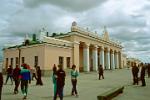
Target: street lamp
[(19, 55)]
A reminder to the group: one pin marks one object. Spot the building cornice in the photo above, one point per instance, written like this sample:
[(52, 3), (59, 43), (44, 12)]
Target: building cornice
[(99, 39), (36, 45)]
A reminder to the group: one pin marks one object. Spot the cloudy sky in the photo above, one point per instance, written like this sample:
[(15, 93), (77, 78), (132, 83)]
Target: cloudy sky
[(126, 20)]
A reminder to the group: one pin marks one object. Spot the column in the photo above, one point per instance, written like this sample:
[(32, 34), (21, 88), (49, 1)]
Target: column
[(76, 54), (117, 60), (95, 59), (102, 57), (86, 58), (112, 60), (120, 60), (108, 58)]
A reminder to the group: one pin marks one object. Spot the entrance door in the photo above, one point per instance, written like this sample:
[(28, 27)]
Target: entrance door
[(68, 62), (61, 61)]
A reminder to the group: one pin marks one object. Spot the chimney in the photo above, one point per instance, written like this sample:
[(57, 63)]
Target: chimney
[(34, 37), (47, 34), (27, 42)]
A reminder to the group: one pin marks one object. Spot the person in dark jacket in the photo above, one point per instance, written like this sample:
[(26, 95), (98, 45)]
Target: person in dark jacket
[(25, 79), (100, 72), (60, 82), (16, 74), (135, 71), (143, 75), (148, 70), (39, 80), (9, 74), (1, 84)]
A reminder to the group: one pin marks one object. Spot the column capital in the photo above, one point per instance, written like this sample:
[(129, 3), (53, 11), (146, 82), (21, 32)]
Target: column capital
[(108, 49), (95, 46), (112, 51), (76, 42), (116, 52), (87, 45), (102, 48)]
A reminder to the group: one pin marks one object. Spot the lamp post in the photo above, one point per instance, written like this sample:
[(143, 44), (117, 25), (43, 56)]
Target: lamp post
[(19, 56)]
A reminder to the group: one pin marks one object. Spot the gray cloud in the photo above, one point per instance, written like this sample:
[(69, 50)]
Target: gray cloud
[(127, 34), (69, 5), (29, 20), (126, 21)]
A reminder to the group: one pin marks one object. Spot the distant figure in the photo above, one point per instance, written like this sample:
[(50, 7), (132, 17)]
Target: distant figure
[(16, 74), (148, 70), (9, 74), (74, 75), (34, 73), (1, 84), (54, 78), (25, 79), (100, 71), (143, 75), (135, 71), (60, 82), (39, 80)]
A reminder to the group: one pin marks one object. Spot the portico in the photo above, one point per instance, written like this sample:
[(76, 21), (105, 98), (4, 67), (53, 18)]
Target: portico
[(95, 50)]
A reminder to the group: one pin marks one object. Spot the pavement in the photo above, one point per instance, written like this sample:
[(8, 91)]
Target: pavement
[(88, 86)]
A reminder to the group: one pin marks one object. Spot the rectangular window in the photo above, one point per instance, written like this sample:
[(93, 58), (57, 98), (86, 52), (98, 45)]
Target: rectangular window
[(11, 62), (17, 60), (68, 62), (22, 59), (35, 60), (6, 63), (61, 62)]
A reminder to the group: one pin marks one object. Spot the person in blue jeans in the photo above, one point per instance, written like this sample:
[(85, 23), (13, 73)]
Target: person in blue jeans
[(25, 79), (60, 82), (9, 74), (74, 75)]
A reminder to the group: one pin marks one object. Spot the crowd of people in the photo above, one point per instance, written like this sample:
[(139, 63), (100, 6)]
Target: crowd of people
[(59, 81), (24, 74), (138, 72)]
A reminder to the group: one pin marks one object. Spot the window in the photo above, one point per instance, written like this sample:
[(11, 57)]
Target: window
[(17, 60), (6, 63), (35, 60), (11, 62), (68, 62), (22, 59), (61, 61)]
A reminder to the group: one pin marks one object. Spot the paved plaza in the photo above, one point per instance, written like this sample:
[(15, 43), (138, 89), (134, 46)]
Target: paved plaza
[(88, 87)]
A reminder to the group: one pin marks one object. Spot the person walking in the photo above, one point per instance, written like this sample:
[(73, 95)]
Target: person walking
[(60, 82), (39, 80), (54, 78), (16, 74), (1, 83), (148, 70), (100, 72), (143, 75), (135, 71), (9, 74), (34, 73), (25, 79), (74, 75)]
